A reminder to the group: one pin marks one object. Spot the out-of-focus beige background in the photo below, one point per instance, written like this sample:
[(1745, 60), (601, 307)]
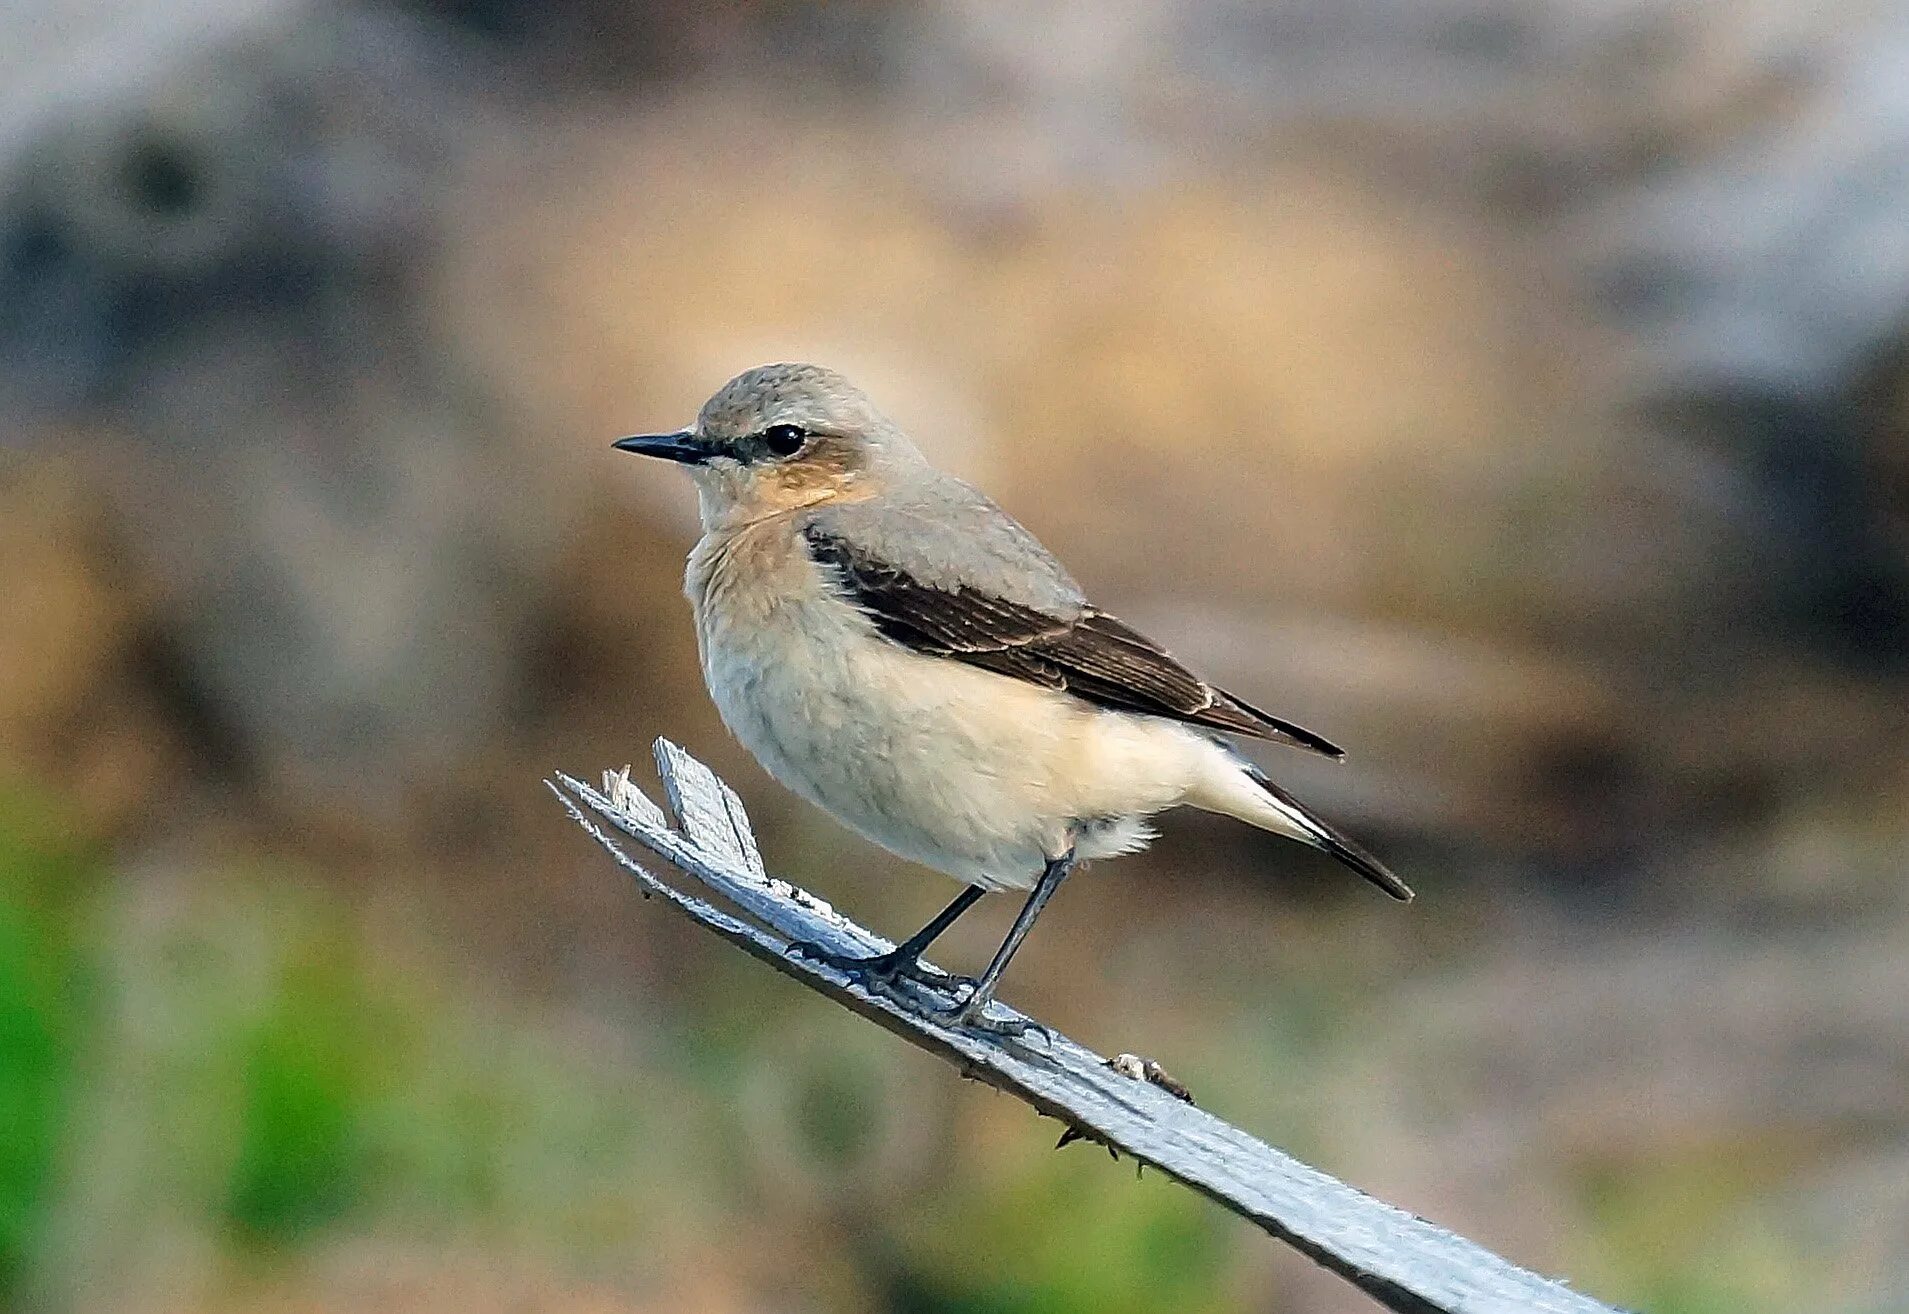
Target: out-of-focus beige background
[(1514, 392)]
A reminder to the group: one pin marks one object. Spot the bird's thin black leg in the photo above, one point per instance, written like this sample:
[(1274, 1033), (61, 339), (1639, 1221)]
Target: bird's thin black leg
[(904, 960), (909, 951), (969, 1013)]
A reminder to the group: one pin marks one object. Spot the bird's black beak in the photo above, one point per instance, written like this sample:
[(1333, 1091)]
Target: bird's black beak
[(679, 446)]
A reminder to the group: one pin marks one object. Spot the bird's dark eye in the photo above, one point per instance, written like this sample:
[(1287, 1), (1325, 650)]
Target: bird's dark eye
[(784, 439)]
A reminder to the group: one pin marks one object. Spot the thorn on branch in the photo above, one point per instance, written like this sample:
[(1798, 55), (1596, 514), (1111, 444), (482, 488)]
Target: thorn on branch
[(1139, 1069)]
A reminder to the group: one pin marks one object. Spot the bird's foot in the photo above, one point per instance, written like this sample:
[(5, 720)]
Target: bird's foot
[(882, 973), (972, 1014)]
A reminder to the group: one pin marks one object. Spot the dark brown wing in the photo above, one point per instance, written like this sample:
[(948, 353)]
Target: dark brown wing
[(1091, 655)]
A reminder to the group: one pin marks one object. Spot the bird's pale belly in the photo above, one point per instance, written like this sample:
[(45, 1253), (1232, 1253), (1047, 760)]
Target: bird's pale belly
[(960, 769)]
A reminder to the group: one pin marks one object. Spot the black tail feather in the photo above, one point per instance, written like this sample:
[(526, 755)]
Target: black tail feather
[(1366, 865), (1330, 839), (1265, 725)]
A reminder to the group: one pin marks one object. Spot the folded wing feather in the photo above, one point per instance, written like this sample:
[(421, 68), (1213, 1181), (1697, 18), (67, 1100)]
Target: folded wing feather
[(1090, 654)]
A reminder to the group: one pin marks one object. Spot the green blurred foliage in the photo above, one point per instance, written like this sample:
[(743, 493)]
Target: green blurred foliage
[(1680, 1234), (300, 1085), (238, 1059), (315, 1061), (275, 1067), (43, 895), (1062, 1239)]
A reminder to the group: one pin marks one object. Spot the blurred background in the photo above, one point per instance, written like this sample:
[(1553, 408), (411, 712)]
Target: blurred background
[(1524, 385)]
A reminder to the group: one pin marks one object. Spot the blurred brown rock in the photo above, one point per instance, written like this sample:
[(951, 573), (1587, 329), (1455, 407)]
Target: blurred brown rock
[(76, 708), (213, 256)]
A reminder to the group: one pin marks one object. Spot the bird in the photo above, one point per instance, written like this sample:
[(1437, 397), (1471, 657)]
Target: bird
[(896, 649)]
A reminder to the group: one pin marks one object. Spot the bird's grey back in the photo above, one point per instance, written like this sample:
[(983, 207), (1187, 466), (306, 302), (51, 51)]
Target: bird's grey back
[(949, 535)]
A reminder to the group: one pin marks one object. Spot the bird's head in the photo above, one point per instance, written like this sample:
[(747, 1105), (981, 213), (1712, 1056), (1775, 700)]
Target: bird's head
[(779, 437)]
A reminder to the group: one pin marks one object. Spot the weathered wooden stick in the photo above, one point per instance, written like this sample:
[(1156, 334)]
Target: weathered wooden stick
[(1402, 1261)]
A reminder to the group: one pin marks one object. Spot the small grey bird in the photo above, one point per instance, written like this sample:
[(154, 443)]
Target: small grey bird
[(897, 650)]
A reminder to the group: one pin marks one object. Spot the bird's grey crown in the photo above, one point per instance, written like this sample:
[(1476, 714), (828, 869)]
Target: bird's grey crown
[(808, 396)]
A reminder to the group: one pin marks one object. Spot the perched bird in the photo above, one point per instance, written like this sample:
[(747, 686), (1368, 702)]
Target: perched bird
[(897, 650)]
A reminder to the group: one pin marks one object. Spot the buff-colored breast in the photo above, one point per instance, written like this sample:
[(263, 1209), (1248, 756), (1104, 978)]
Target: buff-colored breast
[(975, 774)]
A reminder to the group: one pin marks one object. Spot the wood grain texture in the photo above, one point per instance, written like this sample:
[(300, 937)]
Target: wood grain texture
[(1403, 1262)]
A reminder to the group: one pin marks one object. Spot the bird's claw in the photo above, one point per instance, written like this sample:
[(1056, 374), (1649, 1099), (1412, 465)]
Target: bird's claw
[(880, 973), (951, 983), (814, 952), (883, 974), (972, 1015)]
